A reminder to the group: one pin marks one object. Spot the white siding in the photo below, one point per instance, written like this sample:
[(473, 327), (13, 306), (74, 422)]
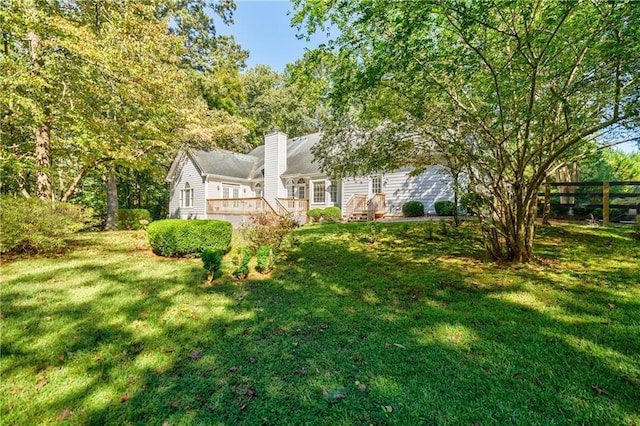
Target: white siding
[(214, 188), (434, 184), (352, 186), (187, 172)]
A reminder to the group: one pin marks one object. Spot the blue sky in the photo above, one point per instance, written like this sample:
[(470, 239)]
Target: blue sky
[(263, 28)]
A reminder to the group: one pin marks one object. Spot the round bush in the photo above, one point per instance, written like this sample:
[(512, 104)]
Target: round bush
[(314, 214), (332, 214), (129, 219), (444, 208), (413, 209), (188, 238)]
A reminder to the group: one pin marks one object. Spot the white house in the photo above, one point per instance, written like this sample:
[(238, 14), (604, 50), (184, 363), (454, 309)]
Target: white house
[(282, 176)]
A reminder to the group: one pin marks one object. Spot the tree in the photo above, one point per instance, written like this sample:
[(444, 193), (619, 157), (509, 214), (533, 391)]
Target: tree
[(514, 90)]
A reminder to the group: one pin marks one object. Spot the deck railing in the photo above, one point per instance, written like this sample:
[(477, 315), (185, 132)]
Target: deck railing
[(357, 202), (377, 204), (239, 206), (294, 205)]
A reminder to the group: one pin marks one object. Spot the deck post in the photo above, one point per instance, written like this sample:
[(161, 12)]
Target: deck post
[(605, 203)]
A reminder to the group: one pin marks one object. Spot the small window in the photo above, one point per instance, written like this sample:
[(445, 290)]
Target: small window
[(319, 191), (333, 191), (258, 190), (302, 189), (186, 196), (376, 184), (290, 188)]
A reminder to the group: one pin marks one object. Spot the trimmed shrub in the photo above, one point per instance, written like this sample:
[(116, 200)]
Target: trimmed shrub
[(242, 263), (413, 209), (31, 225), (212, 261), (129, 219), (444, 208), (314, 215), (188, 238), (265, 259), (331, 214)]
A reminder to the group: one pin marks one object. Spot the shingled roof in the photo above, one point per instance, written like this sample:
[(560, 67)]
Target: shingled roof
[(300, 160)]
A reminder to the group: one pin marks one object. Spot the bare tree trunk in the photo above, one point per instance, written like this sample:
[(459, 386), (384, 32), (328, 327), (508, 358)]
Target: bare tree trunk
[(112, 201), (44, 188)]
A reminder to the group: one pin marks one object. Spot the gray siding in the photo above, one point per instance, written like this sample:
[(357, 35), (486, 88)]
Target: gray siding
[(187, 172), (434, 184), (352, 186)]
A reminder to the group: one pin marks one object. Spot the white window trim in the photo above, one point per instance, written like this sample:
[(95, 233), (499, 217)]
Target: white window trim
[(186, 196), (315, 184)]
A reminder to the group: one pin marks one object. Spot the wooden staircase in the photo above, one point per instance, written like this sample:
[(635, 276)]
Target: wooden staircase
[(358, 209)]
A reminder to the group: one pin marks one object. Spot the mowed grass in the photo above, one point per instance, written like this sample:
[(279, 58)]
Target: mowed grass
[(359, 324)]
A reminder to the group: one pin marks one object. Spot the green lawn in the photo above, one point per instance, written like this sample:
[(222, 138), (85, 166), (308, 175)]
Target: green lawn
[(359, 324)]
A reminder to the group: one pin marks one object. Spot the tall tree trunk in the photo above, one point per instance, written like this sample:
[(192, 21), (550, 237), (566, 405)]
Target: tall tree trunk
[(44, 188), (456, 190), (112, 201), (546, 210)]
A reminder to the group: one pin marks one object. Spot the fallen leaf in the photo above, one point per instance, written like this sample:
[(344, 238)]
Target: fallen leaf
[(243, 406), (362, 387), (517, 376), (300, 372), (169, 351), (175, 404), (399, 345), (233, 369), (598, 390), (195, 355), (296, 344), (211, 407), (125, 397), (41, 383), (249, 393), (252, 360), (65, 414), (611, 306), (388, 408), (324, 326)]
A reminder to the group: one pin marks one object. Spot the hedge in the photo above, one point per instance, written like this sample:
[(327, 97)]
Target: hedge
[(413, 209), (129, 219), (444, 208), (188, 238), (329, 214)]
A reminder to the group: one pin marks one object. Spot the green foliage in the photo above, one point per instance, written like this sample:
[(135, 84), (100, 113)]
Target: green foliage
[(467, 84), (610, 165), (328, 215), (332, 214), (444, 208), (413, 209), (132, 219), (188, 238), (444, 227), (30, 225), (242, 264), (212, 261), (265, 259), (471, 202), (269, 230), (314, 214)]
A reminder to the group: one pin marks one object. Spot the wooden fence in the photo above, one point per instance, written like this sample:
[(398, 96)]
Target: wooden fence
[(591, 195)]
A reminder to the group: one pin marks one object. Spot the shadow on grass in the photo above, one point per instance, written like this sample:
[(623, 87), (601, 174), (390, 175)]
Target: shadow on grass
[(350, 329)]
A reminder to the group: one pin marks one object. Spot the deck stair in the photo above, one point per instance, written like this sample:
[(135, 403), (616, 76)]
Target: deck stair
[(359, 209)]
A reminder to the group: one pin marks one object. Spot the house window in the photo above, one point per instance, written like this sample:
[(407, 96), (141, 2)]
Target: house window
[(290, 188), (319, 191), (333, 191), (302, 189), (376, 184), (186, 196), (258, 190), (231, 192)]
